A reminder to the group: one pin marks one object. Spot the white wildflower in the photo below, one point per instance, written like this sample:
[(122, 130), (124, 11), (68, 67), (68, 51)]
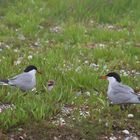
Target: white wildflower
[(113, 138), (86, 62), (130, 116), (55, 29), (21, 37), (126, 132), (87, 93), (78, 69), (18, 61), (30, 57), (16, 50)]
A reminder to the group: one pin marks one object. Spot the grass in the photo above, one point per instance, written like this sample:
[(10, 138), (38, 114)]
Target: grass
[(57, 35)]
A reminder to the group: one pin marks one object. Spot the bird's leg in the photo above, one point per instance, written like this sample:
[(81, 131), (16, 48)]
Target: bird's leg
[(124, 106)]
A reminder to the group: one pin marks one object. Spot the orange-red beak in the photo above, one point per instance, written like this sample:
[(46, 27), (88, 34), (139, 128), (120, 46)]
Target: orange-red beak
[(103, 77)]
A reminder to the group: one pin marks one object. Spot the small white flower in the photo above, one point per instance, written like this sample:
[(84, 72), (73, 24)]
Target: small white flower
[(55, 138), (20, 129), (122, 71), (21, 138), (55, 29), (110, 27), (34, 89), (137, 62), (86, 62), (30, 57), (130, 116), (73, 118), (95, 66), (36, 43), (105, 67), (113, 138), (21, 37), (101, 45), (16, 50), (125, 74), (18, 61), (8, 94), (47, 41), (91, 21), (136, 57), (100, 120), (126, 132), (78, 69), (106, 124), (7, 46), (87, 93)]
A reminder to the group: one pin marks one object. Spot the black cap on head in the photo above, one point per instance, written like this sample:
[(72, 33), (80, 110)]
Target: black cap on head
[(30, 67), (115, 75)]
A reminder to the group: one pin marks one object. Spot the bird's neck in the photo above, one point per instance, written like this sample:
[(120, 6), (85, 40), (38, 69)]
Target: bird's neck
[(112, 81)]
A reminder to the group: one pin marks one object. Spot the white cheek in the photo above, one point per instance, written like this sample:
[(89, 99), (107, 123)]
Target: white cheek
[(32, 72), (111, 79)]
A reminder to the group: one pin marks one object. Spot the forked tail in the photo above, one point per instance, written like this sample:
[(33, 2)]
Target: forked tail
[(4, 82)]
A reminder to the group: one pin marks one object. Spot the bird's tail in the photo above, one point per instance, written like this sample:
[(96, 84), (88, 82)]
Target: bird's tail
[(4, 82), (139, 98)]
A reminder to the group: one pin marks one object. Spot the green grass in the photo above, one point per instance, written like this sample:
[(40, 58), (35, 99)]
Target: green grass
[(65, 57)]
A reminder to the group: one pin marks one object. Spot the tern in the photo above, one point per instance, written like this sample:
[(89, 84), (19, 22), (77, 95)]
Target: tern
[(119, 93), (51, 84), (24, 81)]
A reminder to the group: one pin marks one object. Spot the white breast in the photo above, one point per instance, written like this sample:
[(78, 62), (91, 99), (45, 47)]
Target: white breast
[(112, 83)]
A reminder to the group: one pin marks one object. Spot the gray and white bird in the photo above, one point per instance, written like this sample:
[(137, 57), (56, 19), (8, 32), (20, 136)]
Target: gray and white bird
[(119, 93), (51, 84), (24, 81)]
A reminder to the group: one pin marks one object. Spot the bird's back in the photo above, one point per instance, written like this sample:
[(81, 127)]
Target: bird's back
[(24, 81), (120, 93)]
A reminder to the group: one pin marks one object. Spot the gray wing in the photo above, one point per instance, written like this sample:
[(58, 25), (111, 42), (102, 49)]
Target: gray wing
[(123, 93), (20, 79), (126, 89)]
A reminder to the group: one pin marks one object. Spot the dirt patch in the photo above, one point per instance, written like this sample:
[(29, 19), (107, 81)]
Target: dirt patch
[(45, 131)]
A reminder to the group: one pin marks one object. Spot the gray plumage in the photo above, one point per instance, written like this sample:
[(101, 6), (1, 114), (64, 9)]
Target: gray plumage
[(122, 94), (24, 81), (119, 93)]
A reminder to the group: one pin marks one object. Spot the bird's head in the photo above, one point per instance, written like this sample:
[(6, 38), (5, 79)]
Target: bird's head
[(31, 68), (112, 77)]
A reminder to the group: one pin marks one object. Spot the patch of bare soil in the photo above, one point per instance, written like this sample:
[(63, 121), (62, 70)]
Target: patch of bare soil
[(44, 131)]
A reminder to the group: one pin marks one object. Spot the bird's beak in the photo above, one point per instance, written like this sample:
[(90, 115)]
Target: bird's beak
[(103, 77), (39, 72)]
